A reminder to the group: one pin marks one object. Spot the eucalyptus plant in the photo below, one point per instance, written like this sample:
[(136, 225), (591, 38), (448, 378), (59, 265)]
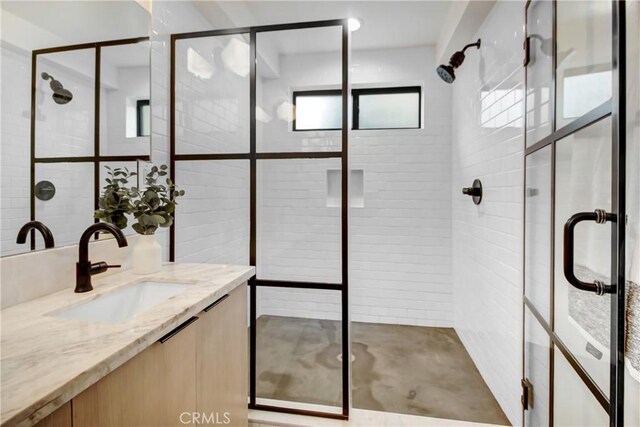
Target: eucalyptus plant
[(115, 202), (153, 206)]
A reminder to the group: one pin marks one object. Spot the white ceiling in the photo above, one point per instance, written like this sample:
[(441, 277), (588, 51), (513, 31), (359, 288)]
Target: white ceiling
[(71, 22), (385, 24)]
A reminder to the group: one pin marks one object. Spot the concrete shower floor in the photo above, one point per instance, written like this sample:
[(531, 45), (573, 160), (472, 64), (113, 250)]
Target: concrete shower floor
[(403, 369)]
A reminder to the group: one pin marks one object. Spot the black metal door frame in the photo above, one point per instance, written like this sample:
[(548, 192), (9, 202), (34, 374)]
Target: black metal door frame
[(616, 109), (96, 158), (253, 156)]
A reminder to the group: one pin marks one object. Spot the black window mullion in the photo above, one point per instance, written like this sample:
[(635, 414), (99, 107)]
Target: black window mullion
[(356, 109), (140, 104), (96, 134)]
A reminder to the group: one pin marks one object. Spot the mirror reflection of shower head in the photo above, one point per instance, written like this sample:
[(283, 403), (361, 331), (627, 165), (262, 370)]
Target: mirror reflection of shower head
[(447, 72), (60, 94)]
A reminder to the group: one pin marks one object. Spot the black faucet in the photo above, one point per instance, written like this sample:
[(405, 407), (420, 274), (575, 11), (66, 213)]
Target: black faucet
[(84, 268), (36, 225)]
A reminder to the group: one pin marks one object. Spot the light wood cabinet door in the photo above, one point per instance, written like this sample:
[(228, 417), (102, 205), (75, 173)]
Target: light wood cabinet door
[(152, 389), (221, 353), (61, 417)]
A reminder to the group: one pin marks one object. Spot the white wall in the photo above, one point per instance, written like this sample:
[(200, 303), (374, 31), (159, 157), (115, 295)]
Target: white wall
[(487, 239)]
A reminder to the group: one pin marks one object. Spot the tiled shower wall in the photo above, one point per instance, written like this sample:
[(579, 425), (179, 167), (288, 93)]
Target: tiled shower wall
[(15, 146), (168, 17), (61, 130), (488, 142), (401, 236), (400, 239)]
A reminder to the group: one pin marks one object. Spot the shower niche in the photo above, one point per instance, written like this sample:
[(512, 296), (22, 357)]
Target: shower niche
[(356, 188)]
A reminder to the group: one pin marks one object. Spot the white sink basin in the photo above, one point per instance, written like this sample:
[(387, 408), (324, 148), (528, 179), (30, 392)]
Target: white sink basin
[(123, 304)]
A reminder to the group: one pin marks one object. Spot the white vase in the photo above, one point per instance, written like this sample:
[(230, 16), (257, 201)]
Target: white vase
[(146, 255)]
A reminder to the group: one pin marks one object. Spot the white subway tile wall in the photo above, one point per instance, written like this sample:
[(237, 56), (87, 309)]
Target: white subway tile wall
[(212, 223), (212, 99), (61, 130), (168, 17), (487, 239), (400, 267), (14, 150), (299, 236), (66, 130), (304, 303), (400, 239), (70, 211)]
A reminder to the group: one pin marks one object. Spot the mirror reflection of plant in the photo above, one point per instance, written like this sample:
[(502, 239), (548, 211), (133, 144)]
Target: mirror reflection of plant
[(115, 202), (154, 205)]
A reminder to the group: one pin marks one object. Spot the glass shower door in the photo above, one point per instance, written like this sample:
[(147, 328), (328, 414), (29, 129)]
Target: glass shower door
[(300, 293), (574, 240)]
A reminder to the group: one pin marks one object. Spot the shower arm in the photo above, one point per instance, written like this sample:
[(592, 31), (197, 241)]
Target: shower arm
[(477, 44)]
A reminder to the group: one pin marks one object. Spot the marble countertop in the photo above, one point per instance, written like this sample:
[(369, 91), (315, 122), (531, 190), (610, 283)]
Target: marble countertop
[(45, 361)]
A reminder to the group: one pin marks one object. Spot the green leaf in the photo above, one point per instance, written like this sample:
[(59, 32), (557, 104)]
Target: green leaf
[(158, 219)]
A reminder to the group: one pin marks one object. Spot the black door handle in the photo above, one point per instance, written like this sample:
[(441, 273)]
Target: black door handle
[(599, 216)]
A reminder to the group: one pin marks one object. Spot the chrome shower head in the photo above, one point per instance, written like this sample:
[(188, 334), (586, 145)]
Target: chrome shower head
[(60, 94), (447, 72)]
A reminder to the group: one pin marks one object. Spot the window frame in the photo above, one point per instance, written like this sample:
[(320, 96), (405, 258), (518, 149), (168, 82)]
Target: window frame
[(355, 94), (140, 104)]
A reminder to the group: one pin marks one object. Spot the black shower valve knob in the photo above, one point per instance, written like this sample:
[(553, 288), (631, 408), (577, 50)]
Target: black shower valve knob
[(475, 191), (470, 191)]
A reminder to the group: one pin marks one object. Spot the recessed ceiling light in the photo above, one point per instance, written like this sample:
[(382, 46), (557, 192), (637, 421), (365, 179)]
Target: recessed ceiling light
[(354, 24)]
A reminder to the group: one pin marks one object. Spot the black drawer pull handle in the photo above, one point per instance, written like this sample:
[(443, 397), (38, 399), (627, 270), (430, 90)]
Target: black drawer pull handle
[(216, 302), (177, 330), (600, 217)]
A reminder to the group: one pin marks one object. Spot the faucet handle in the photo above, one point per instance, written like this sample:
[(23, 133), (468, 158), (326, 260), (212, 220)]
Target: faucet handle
[(101, 267)]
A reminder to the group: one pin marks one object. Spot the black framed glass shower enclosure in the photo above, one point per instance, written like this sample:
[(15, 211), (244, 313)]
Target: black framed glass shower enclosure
[(575, 214), (260, 194)]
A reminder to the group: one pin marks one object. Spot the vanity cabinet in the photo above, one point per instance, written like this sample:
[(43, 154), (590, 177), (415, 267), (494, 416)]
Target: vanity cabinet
[(152, 389), (61, 417), (200, 370), (221, 357)]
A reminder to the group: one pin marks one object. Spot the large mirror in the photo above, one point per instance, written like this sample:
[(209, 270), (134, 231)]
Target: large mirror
[(75, 97)]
